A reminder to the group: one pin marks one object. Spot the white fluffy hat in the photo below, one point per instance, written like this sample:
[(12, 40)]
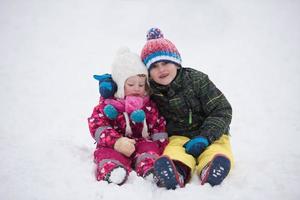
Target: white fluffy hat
[(125, 65)]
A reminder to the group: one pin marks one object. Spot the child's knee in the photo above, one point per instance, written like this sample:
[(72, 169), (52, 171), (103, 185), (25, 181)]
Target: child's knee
[(143, 163)]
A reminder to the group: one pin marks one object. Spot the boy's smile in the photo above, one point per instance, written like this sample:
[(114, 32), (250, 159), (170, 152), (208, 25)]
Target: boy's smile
[(164, 75)]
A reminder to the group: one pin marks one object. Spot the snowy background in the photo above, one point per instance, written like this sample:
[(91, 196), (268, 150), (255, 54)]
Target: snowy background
[(49, 51)]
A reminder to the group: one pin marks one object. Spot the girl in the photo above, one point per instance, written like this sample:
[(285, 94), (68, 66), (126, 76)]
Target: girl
[(127, 128)]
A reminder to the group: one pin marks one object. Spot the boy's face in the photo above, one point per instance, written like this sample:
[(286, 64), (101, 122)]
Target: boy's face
[(163, 73), (135, 86)]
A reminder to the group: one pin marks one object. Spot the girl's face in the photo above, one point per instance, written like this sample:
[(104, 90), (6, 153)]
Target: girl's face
[(135, 86), (163, 73)]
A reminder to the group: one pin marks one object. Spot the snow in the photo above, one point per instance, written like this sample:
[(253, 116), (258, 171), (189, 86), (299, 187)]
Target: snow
[(117, 175), (50, 50)]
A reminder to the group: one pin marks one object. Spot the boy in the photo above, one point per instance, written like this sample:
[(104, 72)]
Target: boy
[(197, 113)]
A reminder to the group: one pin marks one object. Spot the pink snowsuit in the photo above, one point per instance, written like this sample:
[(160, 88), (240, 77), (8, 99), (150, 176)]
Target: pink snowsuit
[(106, 132)]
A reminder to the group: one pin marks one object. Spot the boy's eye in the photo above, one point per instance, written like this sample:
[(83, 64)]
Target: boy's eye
[(161, 63), (153, 66)]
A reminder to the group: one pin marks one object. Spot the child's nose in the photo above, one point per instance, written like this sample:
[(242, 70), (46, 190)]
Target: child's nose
[(160, 68)]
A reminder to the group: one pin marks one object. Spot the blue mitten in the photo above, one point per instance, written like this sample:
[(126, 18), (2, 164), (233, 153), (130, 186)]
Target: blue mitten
[(137, 116), (107, 87), (110, 112), (196, 146)]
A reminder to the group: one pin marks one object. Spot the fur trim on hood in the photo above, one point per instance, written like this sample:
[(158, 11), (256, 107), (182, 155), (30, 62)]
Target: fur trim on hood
[(125, 65)]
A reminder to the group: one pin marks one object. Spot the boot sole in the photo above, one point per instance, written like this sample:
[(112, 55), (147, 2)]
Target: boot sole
[(165, 171), (218, 170)]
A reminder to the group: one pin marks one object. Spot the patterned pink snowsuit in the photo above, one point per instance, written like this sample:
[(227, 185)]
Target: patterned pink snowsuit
[(106, 132)]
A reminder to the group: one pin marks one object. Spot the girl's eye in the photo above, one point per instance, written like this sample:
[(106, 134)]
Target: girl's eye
[(141, 85)]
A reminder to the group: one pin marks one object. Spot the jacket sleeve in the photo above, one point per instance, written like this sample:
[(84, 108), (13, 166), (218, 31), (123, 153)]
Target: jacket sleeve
[(217, 109), (101, 129), (157, 126)]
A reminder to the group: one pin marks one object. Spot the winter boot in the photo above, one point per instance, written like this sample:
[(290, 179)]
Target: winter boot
[(112, 173), (117, 176), (167, 174), (149, 176), (215, 171)]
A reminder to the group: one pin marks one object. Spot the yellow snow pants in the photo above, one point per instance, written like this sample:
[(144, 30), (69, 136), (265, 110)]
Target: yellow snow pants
[(176, 151)]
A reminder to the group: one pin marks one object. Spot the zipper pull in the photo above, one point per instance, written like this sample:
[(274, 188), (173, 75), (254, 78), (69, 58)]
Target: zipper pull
[(190, 116)]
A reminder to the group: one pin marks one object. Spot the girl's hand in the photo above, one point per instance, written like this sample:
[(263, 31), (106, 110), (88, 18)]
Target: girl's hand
[(125, 146)]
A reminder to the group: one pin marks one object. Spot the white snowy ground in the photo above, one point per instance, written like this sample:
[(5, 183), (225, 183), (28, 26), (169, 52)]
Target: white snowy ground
[(49, 51)]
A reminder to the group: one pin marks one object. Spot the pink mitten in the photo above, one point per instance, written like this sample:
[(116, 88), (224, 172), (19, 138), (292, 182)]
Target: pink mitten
[(133, 103), (133, 106)]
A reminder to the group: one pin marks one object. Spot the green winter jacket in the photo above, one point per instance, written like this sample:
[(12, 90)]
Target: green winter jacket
[(193, 106)]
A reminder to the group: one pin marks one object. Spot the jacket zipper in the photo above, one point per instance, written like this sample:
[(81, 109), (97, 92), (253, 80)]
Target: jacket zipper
[(190, 116)]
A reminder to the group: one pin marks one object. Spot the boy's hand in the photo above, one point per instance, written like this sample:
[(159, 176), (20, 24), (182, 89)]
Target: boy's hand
[(196, 146), (125, 146)]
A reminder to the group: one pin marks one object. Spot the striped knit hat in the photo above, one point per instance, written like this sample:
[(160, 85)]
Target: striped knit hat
[(158, 49)]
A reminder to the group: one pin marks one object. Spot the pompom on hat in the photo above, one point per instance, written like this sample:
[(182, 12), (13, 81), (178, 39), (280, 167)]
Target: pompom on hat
[(159, 49)]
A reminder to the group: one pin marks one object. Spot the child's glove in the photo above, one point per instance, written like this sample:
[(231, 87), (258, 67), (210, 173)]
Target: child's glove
[(110, 111), (196, 146), (125, 146), (107, 87)]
